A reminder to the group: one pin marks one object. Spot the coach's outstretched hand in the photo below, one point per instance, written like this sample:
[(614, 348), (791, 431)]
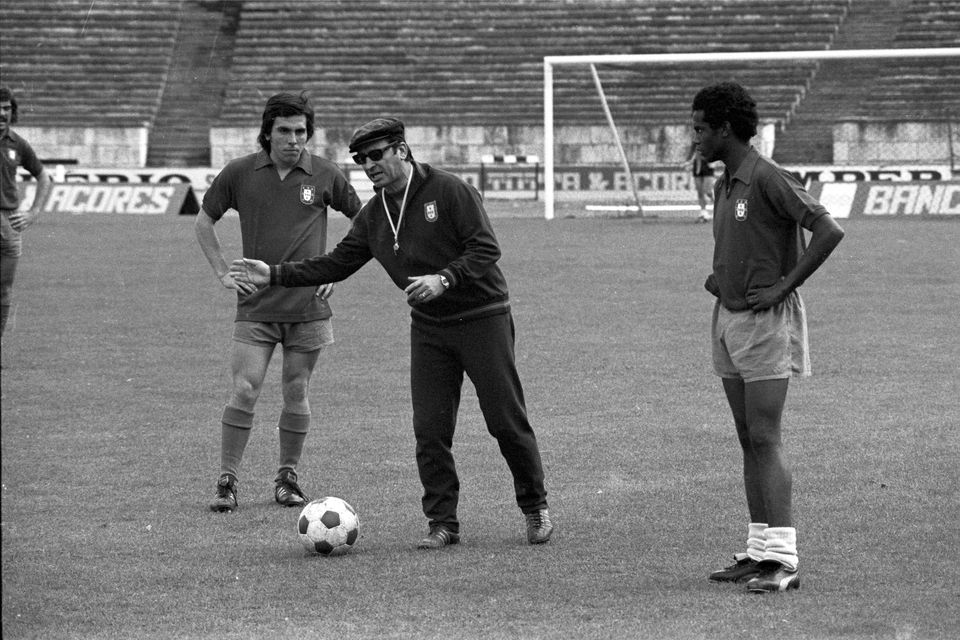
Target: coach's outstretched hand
[(250, 271)]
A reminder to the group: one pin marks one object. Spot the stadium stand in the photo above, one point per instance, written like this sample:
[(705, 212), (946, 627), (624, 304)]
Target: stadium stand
[(80, 63), (895, 90), (911, 87), (195, 84), (184, 68), (480, 62)]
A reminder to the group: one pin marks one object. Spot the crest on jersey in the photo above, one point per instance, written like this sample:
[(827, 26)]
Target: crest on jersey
[(430, 211), (308, 193), (740, 213)]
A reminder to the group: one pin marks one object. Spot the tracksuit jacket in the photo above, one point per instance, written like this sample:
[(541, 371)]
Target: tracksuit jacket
[(444, 230)]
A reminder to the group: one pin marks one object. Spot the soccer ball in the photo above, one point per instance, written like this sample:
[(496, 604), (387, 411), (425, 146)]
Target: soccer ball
[(328, 527)]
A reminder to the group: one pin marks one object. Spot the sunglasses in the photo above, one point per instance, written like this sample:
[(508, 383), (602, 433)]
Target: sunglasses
[(374, 154)]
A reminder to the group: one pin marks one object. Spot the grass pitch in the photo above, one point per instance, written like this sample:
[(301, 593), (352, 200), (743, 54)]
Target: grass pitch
[(115, 373)]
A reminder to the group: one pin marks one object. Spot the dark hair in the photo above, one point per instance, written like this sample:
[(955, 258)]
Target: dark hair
[(7, 95), (284, 105), (728, 102)]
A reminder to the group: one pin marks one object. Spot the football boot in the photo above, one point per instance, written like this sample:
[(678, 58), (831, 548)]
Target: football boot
[(226, 498), (286, 491), (439, 537), (741, 570), (539, 527), (774, 577)]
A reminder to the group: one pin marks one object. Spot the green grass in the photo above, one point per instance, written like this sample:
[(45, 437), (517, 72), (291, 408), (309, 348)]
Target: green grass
[(115, 374)]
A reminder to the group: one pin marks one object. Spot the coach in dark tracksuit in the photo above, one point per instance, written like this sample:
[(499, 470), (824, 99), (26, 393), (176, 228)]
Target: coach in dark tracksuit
[(430, 232)]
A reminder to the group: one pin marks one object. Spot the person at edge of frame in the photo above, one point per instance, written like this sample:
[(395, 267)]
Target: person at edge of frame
[(703, 182), (15, 152)]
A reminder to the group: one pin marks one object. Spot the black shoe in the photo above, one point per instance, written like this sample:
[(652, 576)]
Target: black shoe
[(539, 527), (738, 572), (226, 498), (287, 492), (438, 538), (774, 577)]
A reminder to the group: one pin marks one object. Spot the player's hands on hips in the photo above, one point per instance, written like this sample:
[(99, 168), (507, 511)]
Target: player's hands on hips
[(712, 286), (252, 273), (229, 283), (324, 291), (760, 298), (424, 289), (20, 220)]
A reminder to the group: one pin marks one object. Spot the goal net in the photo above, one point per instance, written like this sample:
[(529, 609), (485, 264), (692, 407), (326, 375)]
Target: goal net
[(871, 110)]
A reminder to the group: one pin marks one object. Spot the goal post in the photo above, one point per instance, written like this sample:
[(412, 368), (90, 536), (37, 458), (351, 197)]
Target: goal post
[(550, 63)]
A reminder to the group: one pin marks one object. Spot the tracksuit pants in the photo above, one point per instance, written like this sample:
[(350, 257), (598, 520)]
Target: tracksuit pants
[(482, 348)]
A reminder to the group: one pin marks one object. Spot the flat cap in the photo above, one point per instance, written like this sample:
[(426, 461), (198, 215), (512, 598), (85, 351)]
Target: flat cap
[(376, 129)]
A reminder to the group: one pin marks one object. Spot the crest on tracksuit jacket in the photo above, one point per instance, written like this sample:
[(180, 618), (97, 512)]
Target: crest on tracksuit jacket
[(430, 211)]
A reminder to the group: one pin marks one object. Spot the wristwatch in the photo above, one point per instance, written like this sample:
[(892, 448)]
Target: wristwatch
[(444, 281)]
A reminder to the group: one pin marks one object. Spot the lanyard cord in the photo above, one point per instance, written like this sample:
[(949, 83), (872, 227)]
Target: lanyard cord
[(386, 211)]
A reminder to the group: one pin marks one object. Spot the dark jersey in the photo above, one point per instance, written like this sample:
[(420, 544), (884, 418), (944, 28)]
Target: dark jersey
[(15, 152), (756, 225), (281, 220)]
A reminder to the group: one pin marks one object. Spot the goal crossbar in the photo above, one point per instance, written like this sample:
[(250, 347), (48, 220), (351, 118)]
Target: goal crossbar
[(549, 62)]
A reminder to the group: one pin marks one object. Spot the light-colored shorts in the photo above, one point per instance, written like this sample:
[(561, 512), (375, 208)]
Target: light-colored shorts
[(11, 241), (765, 345), (303, 337)]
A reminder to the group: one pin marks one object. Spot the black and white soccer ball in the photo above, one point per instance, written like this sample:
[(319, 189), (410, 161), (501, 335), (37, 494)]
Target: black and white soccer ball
[(329, 526)]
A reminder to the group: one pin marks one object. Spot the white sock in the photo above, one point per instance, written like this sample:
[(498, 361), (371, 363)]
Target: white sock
[(756, 540), (781, 546)]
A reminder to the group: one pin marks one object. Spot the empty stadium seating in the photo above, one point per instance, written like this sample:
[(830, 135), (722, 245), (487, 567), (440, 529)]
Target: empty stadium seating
[(81, 63), (442, 63), (912, 87), (481, 61)]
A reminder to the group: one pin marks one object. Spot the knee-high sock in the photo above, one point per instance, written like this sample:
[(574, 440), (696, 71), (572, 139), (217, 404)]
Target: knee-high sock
[(756, 540), (235, 427), (293, 429), (781, 546)]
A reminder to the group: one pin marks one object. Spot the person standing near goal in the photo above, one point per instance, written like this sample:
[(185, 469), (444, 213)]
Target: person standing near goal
[(702, 180), (281, 194), (15, 152), (759, 330), (429, 231)]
